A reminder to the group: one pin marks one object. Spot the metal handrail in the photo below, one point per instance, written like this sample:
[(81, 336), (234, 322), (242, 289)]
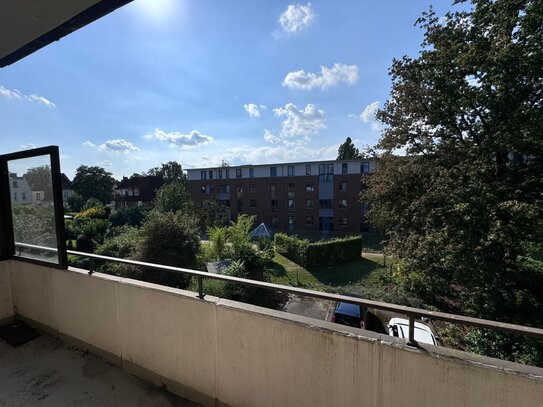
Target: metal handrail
[(401, 309)]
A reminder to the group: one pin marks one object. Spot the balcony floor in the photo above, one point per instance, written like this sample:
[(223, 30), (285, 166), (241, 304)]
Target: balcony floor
[(47, 372)]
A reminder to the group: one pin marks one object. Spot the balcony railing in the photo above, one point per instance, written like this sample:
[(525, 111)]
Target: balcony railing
[(411, 312)]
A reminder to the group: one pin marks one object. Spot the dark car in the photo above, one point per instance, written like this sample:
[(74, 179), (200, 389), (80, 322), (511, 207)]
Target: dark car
[(349, 314)]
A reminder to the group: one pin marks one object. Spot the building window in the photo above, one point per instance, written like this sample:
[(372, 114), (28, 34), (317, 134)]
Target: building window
[(326, 172), (136, 192), (274, 205), (308, 169), (291, 222), (130, 192), (365, 207), (309, 188), (274, 222), (291, 186), (203, 189), (240, 205), (343, 186), (239, 191), (365, 167), (273, 188), (290, 170), (344, 169), (203, 174), (291, 205), (342, 221), (309, 220), (220, 174), (211, 189), (252, 203), (251, 172), (291, 194), (23, 196), (224, 202), (238, 172), (325, 203), (224, 189), (210, 174), (309, 203), (15, 184), (252, 188), (273, 171), (342, 203), (38, 196), (15, 196), (227, 173)]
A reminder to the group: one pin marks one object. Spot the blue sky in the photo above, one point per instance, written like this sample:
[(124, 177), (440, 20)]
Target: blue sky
[(198, 81)]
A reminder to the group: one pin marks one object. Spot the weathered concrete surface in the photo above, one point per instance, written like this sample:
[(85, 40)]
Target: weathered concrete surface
[(46, 372), (219, 352), (6, 302)]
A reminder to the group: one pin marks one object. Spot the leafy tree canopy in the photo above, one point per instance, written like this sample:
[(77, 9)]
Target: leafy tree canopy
[(171, 171), (93, 182), (173, 197), (347, 151), (459, 209)]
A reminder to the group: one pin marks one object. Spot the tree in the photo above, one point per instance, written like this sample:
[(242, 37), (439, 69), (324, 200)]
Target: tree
[(171, 171), (40, 179), (459, 210), (212, 213), (94, 182), (347, 151), (172, 239), (173, 197)]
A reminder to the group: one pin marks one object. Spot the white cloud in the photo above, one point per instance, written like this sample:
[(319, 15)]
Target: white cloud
[(368, 115), (302, 122), (176, 139), (270, 138), (28, 146), (116, 146), (252, 109), (326, 78), (296, 18), (14, 94)]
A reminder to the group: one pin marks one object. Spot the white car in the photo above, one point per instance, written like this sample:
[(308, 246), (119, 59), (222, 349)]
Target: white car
[(399, 327)]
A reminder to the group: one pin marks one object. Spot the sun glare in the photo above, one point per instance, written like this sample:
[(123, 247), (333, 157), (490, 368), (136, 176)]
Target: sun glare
[(158, 11)]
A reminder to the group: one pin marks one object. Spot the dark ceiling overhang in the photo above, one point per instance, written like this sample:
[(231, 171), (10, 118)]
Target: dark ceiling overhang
[(28, 25)]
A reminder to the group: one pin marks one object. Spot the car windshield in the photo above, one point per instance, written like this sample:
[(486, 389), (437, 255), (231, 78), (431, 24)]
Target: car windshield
[(348, 309)]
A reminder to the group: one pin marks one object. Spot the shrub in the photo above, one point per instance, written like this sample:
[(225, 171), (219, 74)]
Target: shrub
[(319, 254), (95, 212), (129, 216)]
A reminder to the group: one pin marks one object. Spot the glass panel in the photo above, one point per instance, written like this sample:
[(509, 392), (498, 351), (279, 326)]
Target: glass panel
[(32, 207)]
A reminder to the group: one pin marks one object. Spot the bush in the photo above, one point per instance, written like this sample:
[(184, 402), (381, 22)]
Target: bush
[(129, 216), (319, 254), (95, 212), (124, 245), (172, 239)]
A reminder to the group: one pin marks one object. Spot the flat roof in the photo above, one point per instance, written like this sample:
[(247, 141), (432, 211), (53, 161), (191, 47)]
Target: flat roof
[(284, 163)]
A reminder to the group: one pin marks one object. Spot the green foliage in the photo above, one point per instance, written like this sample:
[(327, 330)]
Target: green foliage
[(318, 254), (347, 151), (505, 346), (222, 289), (93, 182), (239, 234), (75, 202), (129, 216), (123, 244), (173, 197), (34, 224), (217, 240), (213, 214), (170, 171), (171, 239)]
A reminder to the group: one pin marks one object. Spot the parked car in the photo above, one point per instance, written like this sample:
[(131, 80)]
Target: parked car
[(349, 314), (399, 327)]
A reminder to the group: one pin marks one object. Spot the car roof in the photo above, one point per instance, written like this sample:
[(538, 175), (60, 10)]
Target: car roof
[(423, 333), (346, 308)]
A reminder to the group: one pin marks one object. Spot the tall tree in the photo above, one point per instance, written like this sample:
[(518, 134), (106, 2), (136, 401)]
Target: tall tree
[(173, 197), (40, 179), (347, 151), (461, 209), (94, 182), (171, 171)]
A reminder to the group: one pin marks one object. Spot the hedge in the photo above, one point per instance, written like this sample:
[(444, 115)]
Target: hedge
[(319, 254)]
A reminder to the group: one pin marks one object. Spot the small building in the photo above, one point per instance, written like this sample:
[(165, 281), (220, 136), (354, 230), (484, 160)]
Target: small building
[(137, 191), (67, 189), (20, 190)]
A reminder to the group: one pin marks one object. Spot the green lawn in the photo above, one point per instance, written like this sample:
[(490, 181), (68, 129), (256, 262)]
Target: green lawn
[(361, 271)]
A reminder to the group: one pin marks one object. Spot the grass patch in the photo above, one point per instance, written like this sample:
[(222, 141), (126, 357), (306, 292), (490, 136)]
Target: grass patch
[(362, 271)]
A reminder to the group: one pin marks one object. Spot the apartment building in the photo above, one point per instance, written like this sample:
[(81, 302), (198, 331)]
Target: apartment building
[(304, 196)]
